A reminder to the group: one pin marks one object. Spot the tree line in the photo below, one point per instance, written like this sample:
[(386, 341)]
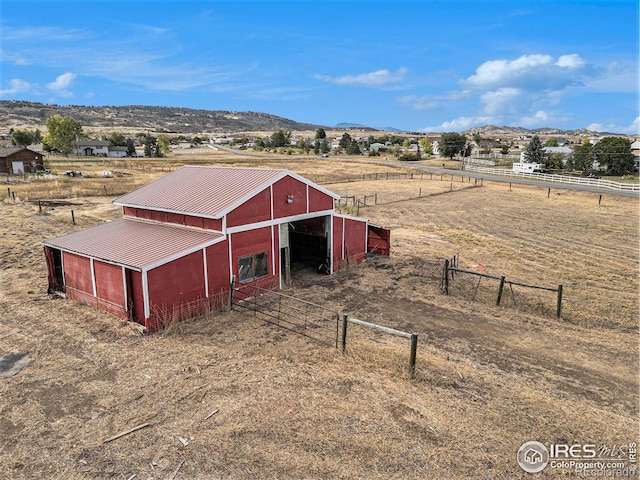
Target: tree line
[(610, 154)]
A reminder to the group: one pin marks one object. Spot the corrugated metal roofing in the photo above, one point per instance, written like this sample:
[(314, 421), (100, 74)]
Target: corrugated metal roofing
[(135, 243), (204, 191)]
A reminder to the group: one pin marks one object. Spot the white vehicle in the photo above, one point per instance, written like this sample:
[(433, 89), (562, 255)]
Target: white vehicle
[(528, 167)]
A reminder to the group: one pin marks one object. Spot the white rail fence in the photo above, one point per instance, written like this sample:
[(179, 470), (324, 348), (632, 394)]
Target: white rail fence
[(588, 182)]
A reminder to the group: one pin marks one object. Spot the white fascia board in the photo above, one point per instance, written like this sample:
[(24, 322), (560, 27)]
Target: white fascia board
[(84, 255), (277, 221)]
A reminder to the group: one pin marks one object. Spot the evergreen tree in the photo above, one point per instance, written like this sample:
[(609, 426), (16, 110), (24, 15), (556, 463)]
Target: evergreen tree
[(535, 152)]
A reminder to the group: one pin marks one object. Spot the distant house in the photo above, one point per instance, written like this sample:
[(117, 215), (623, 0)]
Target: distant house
[(118, 152), (635, 150), (18, 160), (91, 148), (566, 151)]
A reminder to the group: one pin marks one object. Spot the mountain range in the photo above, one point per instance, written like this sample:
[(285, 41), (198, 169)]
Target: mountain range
[(24, 114)]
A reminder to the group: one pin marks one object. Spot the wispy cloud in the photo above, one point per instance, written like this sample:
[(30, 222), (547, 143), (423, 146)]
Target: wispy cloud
[(62, 83), (16, 86), (379, 78)]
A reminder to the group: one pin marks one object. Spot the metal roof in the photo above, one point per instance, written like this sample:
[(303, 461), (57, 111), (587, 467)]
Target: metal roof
[(135, 243), (207, 191)]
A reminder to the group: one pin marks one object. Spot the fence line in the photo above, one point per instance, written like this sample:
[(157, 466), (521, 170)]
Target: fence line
[(562, 179), (391, 331), (449, 271), (294, 314)]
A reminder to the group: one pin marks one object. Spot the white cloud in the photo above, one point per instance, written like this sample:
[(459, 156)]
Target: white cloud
[(16, 86), (532, 73), (538, 119), (459, 124), (371, 79), (499, 100), (633, 129), (572, 61), (498, 73), (61, 84)]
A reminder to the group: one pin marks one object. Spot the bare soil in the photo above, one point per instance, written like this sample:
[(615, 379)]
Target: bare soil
[(488, 378)]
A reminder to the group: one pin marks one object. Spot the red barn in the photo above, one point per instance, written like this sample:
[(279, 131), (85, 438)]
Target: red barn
[(185, 237)]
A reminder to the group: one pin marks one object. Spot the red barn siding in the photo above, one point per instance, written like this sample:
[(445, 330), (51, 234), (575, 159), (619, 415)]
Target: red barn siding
[(281, 190), (218, 267), (192, 221), (109, 285), (319, 201), (213, 224), (77, 273), (257, 209), (176, 282), (355, 236), (336, 244), (158, 216)]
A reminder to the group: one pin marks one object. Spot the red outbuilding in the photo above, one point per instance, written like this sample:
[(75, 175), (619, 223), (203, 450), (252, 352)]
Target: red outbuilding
[(186, 237)]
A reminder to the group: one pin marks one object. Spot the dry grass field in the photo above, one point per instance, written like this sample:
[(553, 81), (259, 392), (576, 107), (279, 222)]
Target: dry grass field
[(488, 378)]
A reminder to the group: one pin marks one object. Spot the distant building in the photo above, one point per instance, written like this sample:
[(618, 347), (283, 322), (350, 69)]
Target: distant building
[(89, 148), (18, 160)]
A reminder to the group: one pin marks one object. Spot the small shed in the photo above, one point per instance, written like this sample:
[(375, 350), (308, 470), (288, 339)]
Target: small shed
[(187, 236), (19, 160)]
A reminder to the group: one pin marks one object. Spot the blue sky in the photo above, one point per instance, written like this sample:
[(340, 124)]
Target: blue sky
[(417, 66)]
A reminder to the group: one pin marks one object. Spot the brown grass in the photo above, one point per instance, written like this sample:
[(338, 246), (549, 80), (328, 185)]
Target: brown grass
[(488, 378)]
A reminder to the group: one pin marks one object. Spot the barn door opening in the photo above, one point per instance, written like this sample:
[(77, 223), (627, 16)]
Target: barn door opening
[(135, 296), (309, 245), (56, 272)]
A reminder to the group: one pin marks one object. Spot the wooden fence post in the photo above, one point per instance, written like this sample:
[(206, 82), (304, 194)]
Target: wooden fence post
[(502, 278), (412, 356), (73, 218), (231, 288), (446, 277), (559, 307), (344, 333)]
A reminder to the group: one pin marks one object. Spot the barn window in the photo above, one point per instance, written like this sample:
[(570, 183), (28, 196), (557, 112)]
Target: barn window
[(252, 267)]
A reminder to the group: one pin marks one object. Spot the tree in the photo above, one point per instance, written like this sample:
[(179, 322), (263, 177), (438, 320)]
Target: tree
[(535, 152), (426, 146), (345, 140), (320, 133), (582, 157), (452, 144), (116, 139), (504, 149), (22, 138), (131, 148), (614, 154), (280, 138), (552, 142), (555, 160), (164, 144), (63, 134)]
